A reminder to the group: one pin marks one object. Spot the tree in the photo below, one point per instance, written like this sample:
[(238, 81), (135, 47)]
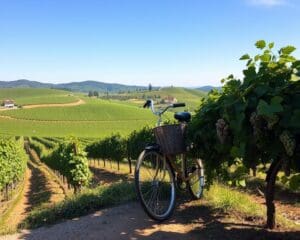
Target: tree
[(90, 94), (150, 87), (96, 94)]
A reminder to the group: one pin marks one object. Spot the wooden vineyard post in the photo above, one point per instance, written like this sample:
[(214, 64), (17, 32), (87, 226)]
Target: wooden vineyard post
[(129, 158)]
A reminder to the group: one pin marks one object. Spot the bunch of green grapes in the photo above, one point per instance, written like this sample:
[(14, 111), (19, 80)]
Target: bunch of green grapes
[(222, 130), (255, 121), (272, 121), (288, 142)]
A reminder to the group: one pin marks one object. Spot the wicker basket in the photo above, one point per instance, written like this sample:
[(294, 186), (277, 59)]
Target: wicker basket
[(171, 138)]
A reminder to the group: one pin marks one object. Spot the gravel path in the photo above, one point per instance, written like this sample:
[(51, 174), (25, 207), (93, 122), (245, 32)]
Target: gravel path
[(130, 222)]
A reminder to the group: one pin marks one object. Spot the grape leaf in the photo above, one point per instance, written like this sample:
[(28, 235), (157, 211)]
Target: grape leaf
[(261, 44), (266, 109), (287, 50), (271, 45), (245, 57), (242, 183)]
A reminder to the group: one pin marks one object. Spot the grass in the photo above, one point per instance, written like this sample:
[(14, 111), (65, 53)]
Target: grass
[(29, 96), (231, 200), (86, 202), (228, 199)]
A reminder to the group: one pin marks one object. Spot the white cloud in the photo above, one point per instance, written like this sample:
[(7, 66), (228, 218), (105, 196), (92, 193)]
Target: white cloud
[(267, 3)]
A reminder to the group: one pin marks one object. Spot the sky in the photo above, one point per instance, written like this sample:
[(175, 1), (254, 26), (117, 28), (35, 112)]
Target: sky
[(163, 42)]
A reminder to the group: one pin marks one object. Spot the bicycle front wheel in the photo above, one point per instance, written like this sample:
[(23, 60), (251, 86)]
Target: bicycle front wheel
[(155, 185)]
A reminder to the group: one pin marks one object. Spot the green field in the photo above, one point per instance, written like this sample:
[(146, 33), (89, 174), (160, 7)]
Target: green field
[(96, 118), (65, 129), (29, 96), (93, 110)]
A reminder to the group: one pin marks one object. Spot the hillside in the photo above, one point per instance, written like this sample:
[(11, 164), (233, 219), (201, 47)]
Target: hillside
[(92, 110), (208, 88), (95, 118), (192, 97), (28, 96), (84, 86)]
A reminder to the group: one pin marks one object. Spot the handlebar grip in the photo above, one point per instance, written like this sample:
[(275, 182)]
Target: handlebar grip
[(147, 104), (175, 105)]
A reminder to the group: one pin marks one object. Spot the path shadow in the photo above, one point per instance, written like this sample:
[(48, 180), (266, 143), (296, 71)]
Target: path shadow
[(102, 176), (39, 192)]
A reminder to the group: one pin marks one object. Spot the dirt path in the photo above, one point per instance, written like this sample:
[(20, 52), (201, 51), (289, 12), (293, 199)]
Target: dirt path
[(130, 222), (72, 104), (19, 212), (79, 102), (58, 189), (37, 191)]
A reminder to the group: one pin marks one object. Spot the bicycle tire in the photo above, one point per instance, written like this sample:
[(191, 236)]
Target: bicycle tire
[(162, 185)]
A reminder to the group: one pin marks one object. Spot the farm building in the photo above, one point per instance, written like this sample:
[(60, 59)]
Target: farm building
[(8, 103), (169, 99)]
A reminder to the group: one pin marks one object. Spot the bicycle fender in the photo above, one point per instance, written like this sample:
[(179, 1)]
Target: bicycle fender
[(152, 147)]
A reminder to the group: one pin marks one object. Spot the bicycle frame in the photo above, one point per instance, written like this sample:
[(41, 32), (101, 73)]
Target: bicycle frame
[(181, 171)]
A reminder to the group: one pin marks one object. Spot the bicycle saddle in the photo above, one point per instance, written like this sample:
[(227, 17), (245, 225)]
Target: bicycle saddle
[(182, 116)]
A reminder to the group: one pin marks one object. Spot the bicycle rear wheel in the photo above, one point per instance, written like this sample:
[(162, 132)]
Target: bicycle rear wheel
[(155, 185), (195, 172)]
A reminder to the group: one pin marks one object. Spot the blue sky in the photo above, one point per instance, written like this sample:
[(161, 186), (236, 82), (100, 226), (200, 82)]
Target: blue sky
[(163, 42)]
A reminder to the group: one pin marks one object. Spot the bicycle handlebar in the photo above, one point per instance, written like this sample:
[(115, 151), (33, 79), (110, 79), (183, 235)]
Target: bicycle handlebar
[(147, 104), (150, 103), (175, 105)]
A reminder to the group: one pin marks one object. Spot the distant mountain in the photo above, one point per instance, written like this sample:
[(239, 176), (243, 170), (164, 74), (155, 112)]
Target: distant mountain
[(84, 86), (208, 88), (24, 83)]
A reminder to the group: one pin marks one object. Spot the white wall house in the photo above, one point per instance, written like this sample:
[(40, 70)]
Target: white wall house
[(9, 104)]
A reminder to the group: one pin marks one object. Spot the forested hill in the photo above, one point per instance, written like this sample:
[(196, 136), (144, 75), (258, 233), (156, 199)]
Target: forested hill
[(84, 86)]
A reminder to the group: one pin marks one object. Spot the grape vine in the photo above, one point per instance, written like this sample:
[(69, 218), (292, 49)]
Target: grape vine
[(262, 111), (13, 161)]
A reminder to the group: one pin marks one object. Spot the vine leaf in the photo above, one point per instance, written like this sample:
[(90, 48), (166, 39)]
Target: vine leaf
[(261, 44), (242, 183), (271, 45), (268, 110), (287, 50), (245, 57)]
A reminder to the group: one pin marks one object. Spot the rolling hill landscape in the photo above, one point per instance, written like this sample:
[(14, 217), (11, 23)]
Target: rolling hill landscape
[(50, 112), (84, 154)]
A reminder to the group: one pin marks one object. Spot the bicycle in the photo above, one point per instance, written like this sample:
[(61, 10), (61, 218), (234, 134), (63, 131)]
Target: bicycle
[(157, 170)]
